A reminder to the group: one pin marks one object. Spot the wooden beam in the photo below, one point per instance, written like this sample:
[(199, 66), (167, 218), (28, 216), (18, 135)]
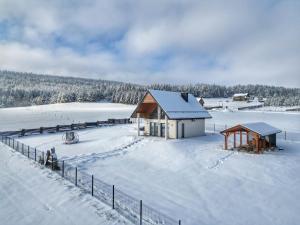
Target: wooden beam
[(241, 138), (234, 140), (247, 138), (257, 143), (226, 145)]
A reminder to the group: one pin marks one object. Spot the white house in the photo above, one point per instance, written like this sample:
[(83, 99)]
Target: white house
[(171, 115)]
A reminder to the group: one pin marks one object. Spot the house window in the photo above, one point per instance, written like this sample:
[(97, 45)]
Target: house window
[(162, 115), (154, 114)]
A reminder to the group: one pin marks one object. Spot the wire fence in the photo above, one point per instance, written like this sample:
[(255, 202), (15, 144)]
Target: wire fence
[(131, 208), (284, 135)]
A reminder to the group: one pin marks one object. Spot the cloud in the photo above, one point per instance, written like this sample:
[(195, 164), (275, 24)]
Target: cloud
[(154, 41)]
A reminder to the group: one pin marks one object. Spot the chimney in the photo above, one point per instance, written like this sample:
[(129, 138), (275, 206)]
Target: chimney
[(185, 96)]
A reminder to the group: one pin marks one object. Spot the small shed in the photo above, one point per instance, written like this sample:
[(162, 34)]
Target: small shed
[(259, 136), (241, 97)]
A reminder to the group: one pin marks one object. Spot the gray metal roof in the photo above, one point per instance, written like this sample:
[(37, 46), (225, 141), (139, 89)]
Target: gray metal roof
[(261, 128), (177, 108)]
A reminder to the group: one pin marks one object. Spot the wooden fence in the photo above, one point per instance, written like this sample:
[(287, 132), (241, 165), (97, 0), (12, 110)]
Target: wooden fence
[(62, 128)]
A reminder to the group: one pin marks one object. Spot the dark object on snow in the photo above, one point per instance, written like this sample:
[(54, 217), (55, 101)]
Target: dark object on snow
[(201, 101), (70, 137), (51, 159)]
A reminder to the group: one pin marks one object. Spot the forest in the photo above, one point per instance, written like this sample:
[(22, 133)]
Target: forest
[(24, 89)]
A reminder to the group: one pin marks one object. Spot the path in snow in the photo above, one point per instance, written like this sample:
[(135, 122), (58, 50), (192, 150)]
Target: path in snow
[(31, 195), (221, 160), (83, 159)]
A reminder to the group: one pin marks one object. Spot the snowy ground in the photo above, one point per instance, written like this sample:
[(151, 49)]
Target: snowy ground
[(234, 105), (192, 179), (286, 121), (227, 102), (67, 113), (31, 195)]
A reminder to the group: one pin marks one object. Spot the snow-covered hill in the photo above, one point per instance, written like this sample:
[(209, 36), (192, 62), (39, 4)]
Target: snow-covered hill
[(30, 196)]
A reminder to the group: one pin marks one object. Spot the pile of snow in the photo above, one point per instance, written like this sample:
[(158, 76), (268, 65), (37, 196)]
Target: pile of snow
[(31, 195)]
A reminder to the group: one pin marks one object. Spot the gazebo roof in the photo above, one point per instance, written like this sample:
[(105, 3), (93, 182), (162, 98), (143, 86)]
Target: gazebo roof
[(260, 128)]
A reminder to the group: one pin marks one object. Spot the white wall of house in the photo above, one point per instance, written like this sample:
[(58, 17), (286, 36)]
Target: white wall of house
[(192, 127)]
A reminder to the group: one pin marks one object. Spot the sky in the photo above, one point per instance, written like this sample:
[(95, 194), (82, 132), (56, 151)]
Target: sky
[(157, 41)]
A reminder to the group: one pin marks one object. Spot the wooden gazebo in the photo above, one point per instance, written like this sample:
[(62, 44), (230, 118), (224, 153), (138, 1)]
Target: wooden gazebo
[(260, 136)]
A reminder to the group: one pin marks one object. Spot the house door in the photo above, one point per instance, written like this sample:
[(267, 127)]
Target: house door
[(151, 129), (155, 129), (182, 130), (162, 130)]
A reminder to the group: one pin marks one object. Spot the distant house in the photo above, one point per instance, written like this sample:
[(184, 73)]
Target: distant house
[(241, 97), (259, 136), (171, 115)]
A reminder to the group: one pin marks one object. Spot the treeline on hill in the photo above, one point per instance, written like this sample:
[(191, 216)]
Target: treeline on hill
[(23, 89)]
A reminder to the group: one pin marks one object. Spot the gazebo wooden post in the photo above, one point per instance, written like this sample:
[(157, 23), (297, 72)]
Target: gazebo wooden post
[(257, 143), (234, 139), (226, 139), (241, 138), (138, 124), (247, 137)]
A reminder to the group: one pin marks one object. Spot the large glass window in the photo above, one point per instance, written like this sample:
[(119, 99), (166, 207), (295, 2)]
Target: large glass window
[(162, 129)]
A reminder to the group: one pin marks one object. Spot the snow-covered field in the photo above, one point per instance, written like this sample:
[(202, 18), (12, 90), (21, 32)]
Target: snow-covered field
[(191, 179), (227, 102), (234, 105), (64, 113), (31, 195), (286, 121)]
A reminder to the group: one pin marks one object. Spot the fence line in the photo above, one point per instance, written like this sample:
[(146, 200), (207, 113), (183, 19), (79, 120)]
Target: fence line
[(62, 128), (131, 208), (284, 135)]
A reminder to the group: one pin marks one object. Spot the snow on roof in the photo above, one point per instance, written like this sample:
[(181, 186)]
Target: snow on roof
[(240, 95), (176, 107), (261, 128)]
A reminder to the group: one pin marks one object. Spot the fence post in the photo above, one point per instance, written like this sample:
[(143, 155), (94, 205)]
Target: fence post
[(13, 143), (9, 142), (113, 197), (179, 222), (28, 151), (17, 146), (284, 135), (141, 212), (22, 148), (63, 168), (43, 158), (35, 154), (76, 176), (92, 185)]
